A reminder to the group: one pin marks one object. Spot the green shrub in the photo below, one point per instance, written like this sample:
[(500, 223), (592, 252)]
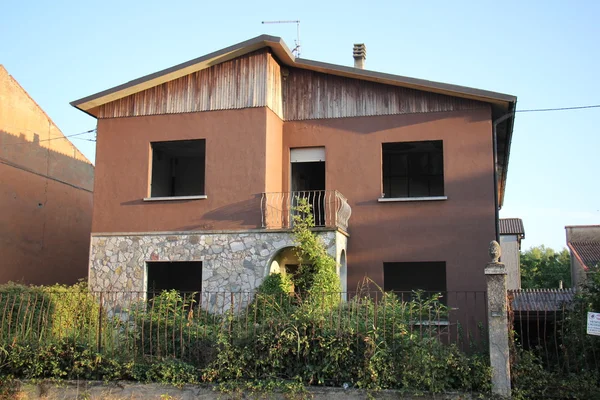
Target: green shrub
[(167, 328), (531, 380), (47, 313), (317, 280), (166, 370)]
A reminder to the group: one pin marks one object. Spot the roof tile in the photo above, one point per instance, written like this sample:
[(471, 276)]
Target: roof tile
[(512, 226), (588, 252), (541, 299)]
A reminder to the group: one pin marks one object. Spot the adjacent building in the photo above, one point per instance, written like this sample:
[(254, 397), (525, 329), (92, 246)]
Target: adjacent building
[(45, 194), (583, 242), (511, 234), (198, 168)]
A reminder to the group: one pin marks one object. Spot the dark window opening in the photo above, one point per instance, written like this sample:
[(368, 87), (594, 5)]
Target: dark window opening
[(308, 182), (178, 168), (413, 169), (183, 276), (405, 277)]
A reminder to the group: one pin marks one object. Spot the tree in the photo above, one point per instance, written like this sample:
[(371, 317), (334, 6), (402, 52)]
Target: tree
[(544, 268)]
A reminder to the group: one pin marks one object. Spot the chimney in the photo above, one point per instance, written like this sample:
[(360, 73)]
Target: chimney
[(360, 54)]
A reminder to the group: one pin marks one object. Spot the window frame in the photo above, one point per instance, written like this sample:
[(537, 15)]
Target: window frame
[(151, 168), (386, 174)]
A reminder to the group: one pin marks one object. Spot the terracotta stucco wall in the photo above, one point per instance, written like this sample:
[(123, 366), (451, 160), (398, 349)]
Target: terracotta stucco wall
[(457, 230), (45, 194), (243, 153), (274, 156), (235, 172)]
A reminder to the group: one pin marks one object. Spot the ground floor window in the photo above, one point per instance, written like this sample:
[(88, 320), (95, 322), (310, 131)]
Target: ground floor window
[(183, 276), (404, 277)]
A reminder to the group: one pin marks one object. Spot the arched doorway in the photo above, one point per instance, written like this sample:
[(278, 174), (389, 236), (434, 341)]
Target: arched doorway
[(284, 261)]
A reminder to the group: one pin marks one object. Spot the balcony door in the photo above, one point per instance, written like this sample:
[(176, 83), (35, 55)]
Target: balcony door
[(308, 179)]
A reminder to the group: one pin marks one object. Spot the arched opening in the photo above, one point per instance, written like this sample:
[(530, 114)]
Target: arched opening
[(344, 275), (284, 261)]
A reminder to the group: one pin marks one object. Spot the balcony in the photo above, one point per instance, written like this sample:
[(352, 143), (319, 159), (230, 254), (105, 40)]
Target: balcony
[(330, 209)]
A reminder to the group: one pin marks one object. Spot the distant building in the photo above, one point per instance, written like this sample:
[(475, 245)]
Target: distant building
[(584, 244), (45, 194), (511, 234)]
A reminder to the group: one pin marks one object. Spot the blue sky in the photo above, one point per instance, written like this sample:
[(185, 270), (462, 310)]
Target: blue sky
[(544, 52)]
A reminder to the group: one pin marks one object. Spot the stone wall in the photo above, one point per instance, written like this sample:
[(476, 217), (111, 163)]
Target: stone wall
[(231, 261)]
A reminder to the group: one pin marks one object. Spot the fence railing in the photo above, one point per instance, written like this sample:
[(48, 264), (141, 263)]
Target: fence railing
[(141, 324), (553, 324), (329, 207)]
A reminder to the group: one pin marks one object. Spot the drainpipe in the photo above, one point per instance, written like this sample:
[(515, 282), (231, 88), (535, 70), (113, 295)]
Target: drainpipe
[(495, 144)]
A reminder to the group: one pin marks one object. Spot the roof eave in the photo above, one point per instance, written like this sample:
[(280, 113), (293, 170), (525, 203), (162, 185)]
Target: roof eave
[(512, 106), (279, 48), (286, 57)]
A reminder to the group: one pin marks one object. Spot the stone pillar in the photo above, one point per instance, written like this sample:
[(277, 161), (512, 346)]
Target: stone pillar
[(495, 273)]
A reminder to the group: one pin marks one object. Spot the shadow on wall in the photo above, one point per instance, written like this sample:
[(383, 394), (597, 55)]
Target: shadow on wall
[(46, 202), (34, 157), (364, 124), (243, 213)]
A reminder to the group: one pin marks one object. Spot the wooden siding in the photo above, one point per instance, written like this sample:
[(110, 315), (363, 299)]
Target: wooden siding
[(255, 80), (239, 83), (274, 88), (314, 95)]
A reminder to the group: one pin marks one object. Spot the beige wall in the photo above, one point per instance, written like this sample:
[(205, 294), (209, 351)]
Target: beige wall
[(511, 259), (45, 194)]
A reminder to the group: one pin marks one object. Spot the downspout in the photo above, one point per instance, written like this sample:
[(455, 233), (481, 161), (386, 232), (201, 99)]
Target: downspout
[(495, 145)]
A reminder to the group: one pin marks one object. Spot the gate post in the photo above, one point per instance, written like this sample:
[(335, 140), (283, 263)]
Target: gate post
[(495, 274)]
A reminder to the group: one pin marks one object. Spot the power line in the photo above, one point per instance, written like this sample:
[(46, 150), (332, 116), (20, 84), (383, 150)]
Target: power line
[(94, 130), (54, 138), (12, 164), (560, 108)]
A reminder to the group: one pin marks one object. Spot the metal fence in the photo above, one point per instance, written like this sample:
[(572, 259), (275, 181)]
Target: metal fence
[(182, 325), (552, 323)]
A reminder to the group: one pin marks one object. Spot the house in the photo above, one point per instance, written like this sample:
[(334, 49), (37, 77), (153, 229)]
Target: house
[(583, 242), (511, 234), (45, 194), (198, 168)]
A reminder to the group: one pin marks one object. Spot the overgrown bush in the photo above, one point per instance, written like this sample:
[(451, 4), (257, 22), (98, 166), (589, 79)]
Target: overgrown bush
[(317, 280), (531, 379), (566, 366), (46, 313), (170, 326)]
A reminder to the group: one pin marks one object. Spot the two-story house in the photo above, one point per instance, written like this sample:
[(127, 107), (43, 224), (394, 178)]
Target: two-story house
[(198, 167)]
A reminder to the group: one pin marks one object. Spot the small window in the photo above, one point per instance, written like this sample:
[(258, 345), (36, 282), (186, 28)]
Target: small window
[(413, 169), (404, 277), (183, 276), (178, 168)]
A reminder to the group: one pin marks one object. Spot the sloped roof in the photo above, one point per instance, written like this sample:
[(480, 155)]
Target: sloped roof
[(285, 56), (541, 299), (512, 226), (588, 253)]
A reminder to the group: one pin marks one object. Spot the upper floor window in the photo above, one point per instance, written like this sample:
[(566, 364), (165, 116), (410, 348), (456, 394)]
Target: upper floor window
[(178, 168), (413, 169)]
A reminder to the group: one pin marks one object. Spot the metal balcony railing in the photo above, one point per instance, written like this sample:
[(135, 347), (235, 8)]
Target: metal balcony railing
[(329, 207)]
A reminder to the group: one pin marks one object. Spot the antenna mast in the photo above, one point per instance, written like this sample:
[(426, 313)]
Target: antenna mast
[(296, 49)]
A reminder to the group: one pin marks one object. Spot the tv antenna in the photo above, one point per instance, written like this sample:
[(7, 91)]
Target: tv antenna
[(296, 49)]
